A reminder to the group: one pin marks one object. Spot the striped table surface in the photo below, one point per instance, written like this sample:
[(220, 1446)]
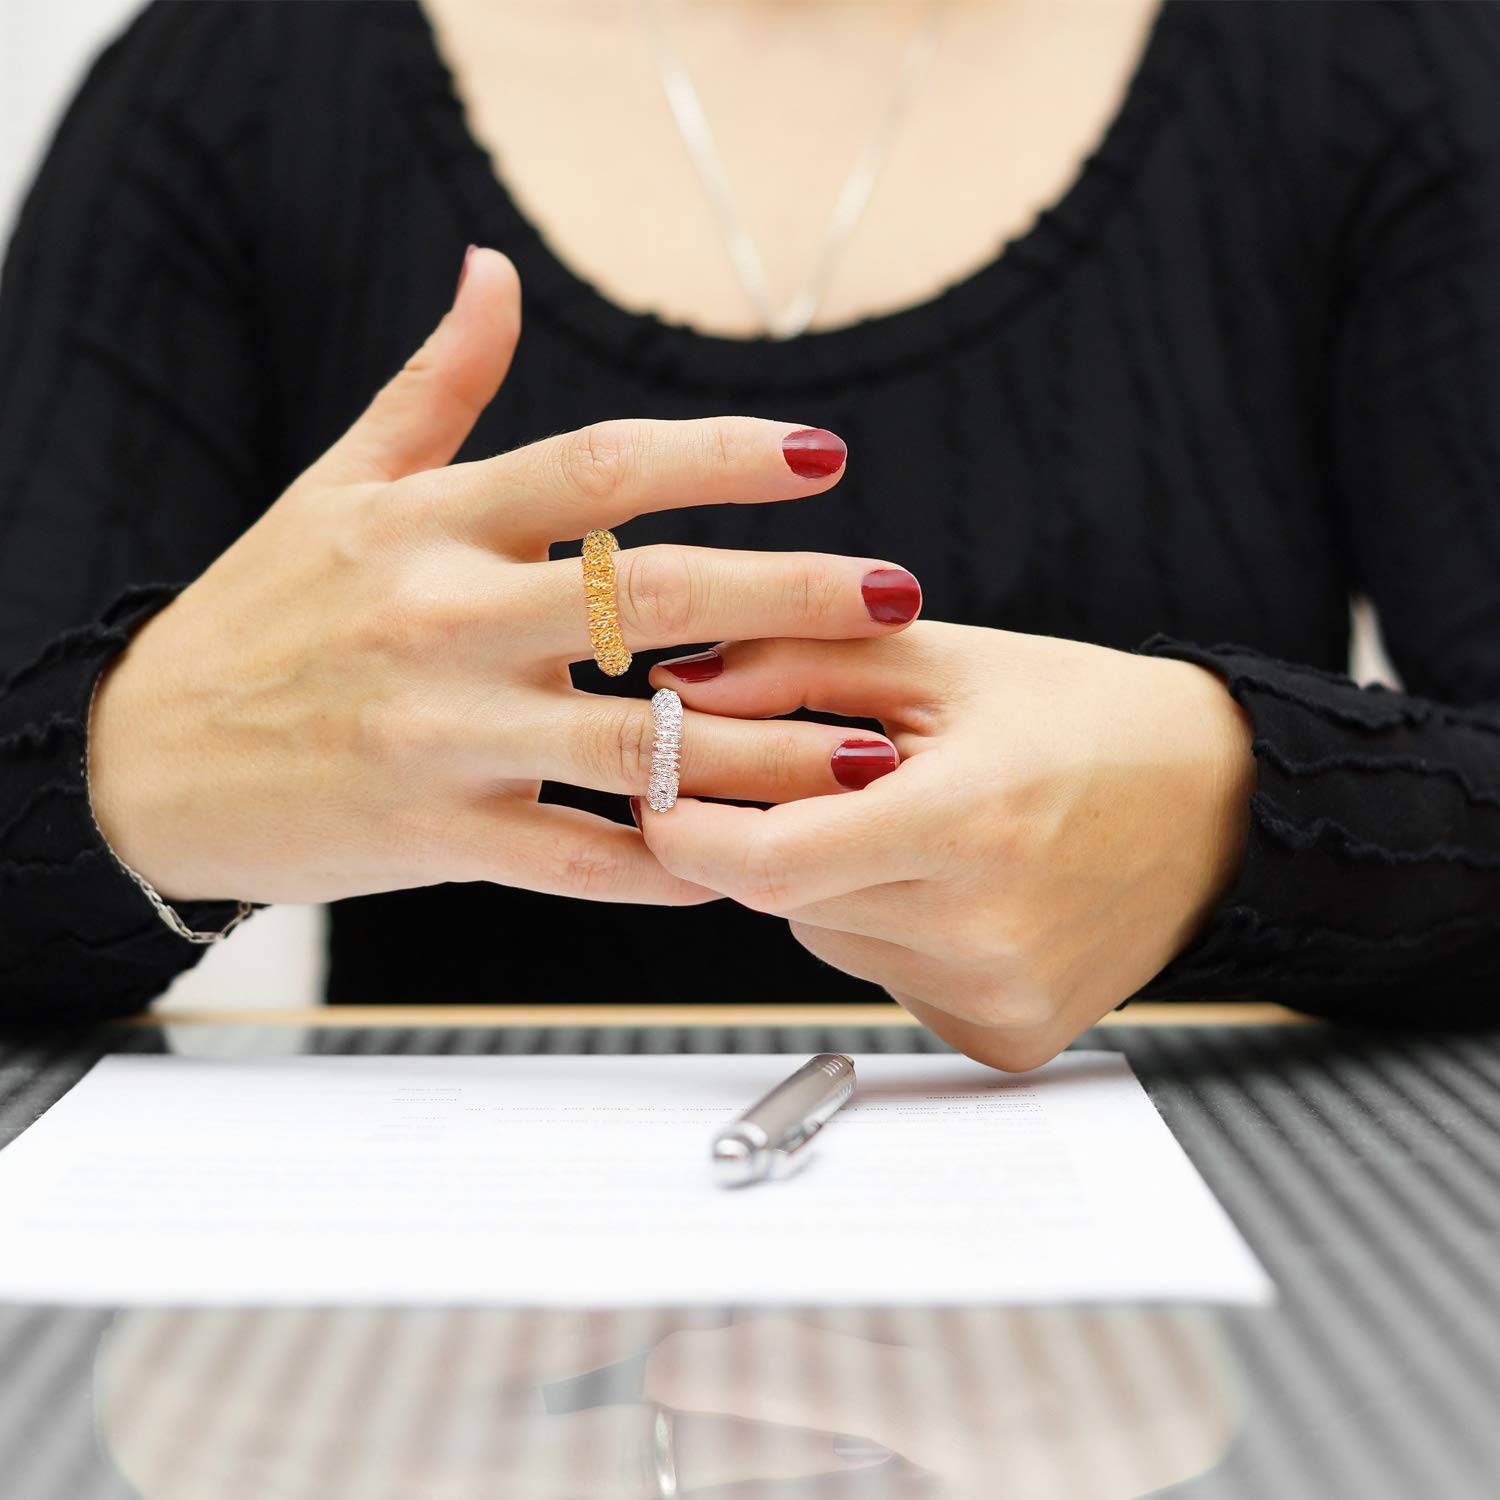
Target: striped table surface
[(1364, 1169)]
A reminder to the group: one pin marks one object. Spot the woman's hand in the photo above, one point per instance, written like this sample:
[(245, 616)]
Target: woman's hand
[(366, 690), (970, 1403), (1064, 819), (479, 1403), (455, 1408)]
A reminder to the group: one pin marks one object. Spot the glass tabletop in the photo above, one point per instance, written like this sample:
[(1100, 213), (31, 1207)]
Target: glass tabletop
[(1361, 1167)]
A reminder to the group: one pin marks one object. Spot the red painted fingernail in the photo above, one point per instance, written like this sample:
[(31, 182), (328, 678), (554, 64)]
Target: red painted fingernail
[(699, 667), (857, 763), (635, 811), (814, 452), (892, 595), (463, 271)]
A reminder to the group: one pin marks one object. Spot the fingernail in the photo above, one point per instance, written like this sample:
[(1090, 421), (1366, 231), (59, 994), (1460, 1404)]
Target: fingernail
[(860, 1452), (635, 811), (857, 763), (892, 595), (699, 667), (814, 452), (463, 271)]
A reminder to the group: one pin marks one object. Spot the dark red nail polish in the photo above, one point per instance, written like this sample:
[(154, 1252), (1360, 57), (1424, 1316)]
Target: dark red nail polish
[(857, 763), (635, 811), (699, 667), (814, 452), (892, 595), (463, 271)]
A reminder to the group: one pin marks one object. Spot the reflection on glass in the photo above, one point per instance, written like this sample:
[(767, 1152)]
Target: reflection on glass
[(1034, 1404)]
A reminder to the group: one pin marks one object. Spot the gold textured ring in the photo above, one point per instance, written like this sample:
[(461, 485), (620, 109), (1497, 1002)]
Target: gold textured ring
[(599, 548)]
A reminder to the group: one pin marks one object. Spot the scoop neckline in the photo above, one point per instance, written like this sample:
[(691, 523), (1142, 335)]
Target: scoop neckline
[(880, 345)]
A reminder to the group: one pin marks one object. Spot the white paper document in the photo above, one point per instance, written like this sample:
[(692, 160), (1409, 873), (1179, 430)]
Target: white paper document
[(585, 1181)]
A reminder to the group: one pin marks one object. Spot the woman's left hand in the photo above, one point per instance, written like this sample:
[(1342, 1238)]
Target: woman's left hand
[(1062, 822)]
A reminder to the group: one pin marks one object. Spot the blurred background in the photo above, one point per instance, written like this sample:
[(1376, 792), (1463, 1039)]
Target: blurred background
[(274, 961)]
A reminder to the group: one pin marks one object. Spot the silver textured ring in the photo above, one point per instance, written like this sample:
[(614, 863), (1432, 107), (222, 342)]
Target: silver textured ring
[(663, 1453), (666, 750)]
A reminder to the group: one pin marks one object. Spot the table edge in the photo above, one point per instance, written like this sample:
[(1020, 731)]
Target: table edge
[(1141, 1013)]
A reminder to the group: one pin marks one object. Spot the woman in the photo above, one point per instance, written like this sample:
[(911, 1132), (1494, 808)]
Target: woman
[(1247, 363)]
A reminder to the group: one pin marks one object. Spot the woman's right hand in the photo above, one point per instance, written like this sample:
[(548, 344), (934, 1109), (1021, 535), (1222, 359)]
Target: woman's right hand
[(366, 690)]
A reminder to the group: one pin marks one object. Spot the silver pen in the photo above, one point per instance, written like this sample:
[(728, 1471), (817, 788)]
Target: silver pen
[(766, 1141)]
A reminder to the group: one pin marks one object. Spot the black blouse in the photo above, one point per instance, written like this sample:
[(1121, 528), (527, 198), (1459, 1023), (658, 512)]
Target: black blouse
[(1247, 366)]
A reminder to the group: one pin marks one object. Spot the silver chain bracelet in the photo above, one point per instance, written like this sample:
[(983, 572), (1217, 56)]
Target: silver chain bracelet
[(162, 909)]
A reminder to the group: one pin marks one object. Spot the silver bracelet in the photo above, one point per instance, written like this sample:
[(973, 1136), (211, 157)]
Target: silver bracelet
[(162, 909)]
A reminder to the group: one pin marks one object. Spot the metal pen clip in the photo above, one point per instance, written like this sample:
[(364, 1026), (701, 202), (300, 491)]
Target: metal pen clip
[(766, 1141)]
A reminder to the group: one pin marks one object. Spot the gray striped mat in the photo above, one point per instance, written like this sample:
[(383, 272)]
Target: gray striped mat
[(1364, 1169)]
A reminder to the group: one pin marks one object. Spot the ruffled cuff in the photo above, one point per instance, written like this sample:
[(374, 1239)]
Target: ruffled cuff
[(1371, 880), (78, 939)]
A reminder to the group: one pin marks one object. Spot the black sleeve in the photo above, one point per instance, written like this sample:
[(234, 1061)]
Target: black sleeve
[(1371, 887), (129, 458)]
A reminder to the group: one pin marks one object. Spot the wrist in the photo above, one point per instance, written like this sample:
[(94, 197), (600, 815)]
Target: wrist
[(117, 769)]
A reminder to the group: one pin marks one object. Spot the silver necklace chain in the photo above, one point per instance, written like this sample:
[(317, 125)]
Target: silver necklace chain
[(687, 110)]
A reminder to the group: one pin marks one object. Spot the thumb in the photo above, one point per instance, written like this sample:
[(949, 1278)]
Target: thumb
[(421, 417)]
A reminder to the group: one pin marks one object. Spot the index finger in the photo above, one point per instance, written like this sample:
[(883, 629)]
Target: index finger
[(794, 853), (601, 475)]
